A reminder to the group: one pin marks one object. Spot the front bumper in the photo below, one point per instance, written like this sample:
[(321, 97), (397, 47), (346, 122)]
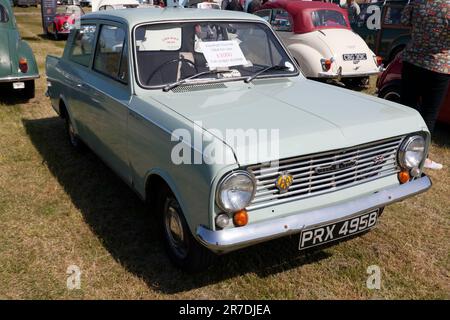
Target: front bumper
[(227, 240), (19, 78)]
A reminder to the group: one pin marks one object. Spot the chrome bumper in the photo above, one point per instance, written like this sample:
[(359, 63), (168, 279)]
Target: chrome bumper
[(20, 78), (227, 240)]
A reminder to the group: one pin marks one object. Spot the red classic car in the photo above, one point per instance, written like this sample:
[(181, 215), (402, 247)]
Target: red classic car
[(388, 85), (64, 20)]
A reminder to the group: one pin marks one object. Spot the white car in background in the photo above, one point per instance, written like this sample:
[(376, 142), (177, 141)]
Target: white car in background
[(320, 38), (100, 5)]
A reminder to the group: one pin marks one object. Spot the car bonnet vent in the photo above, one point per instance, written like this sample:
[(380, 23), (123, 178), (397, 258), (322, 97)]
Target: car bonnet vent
[(198, 87)]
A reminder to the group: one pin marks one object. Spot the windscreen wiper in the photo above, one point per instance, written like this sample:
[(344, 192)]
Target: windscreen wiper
[(183, 81), (268, 68)]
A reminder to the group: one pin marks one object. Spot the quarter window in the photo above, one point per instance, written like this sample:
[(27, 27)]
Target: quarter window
[(83, 45), (3, 14), (108, 57)]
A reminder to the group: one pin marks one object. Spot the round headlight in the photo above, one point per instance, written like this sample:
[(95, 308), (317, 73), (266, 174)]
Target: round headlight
[(235, 191), (412, 152)]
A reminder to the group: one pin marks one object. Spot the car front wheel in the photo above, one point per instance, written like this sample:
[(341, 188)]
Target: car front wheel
[(182, 248)]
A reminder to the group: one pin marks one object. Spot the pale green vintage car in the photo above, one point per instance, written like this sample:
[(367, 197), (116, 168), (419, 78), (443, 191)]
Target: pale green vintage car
[(17, 63), (207, 117)]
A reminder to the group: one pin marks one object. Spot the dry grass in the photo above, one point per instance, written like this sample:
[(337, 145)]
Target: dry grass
[(59, 208)]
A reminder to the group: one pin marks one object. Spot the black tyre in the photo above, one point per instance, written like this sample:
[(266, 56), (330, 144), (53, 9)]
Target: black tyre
[(74, 140), (391, 93), (182, 248), (29, 91)]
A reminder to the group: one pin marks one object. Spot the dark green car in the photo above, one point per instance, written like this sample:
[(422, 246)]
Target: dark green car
[(17, 63), (379, 24)]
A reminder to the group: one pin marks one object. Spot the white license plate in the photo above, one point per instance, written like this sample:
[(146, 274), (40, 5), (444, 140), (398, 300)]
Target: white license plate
[(19, 85), (338, 230), (354, 56)]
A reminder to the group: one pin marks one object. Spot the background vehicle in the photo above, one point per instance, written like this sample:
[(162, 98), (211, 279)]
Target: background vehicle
[(86, 3), (388, 85), (116, 4), (64, 21), (320, 38), (25, 3), (134, 84), (390, 37), (17, 62)]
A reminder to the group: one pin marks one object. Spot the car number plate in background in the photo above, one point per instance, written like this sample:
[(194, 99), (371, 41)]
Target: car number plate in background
[(354, 56), (19, 85), (338, 230)]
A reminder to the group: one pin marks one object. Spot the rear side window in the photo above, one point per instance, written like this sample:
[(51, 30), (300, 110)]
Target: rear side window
[(83, 45), (3, 14), (108, 57)]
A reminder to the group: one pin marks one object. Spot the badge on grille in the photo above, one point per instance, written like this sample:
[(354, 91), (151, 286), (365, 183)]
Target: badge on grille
[(284, 181)]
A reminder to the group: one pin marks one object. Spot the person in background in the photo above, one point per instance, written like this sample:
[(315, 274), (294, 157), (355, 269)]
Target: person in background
[(426, 60), (352, 7), (253, 6), (234, 5)]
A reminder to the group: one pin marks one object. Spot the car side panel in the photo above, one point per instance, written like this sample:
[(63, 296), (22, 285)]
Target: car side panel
[(150, 147)]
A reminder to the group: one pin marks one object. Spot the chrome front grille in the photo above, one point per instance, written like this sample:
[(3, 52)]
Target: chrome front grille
[(325, 172)]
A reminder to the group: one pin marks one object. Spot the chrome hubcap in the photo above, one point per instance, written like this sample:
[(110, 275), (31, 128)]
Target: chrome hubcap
[(174, 228), (392, 96)]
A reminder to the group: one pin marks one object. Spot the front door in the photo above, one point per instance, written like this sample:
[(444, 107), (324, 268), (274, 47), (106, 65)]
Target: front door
[(109, 91)]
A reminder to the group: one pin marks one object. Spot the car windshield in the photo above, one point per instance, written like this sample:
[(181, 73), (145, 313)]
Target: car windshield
[(328, 18), (170, 52), (3, 14)]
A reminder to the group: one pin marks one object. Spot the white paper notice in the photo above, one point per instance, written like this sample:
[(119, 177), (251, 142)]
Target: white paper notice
[(220, 54)]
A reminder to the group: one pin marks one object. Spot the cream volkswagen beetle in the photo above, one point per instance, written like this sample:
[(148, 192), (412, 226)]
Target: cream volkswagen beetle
[(321, 40), (139, 85)]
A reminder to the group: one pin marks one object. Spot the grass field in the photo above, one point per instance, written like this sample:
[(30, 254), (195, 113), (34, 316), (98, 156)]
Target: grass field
[(60, 208)]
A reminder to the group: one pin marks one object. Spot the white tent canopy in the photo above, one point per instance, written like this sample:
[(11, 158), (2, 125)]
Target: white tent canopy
[(98, 3)]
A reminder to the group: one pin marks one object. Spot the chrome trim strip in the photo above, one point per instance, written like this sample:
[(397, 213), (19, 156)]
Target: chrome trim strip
[(19, 78), (227, 240)]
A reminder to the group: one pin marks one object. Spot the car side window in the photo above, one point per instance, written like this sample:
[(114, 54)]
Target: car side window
[(83, 45), (281, 20), (265, 14), (108, 56), (3, 15), (393, 16)]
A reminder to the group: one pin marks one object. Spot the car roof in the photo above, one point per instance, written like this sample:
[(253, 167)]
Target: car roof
[(300, 4), (142, 15)]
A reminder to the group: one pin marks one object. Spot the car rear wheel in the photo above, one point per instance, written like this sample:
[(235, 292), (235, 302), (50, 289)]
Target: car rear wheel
[(391, 93), (182, 248), (74, 139), (29, 91)]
